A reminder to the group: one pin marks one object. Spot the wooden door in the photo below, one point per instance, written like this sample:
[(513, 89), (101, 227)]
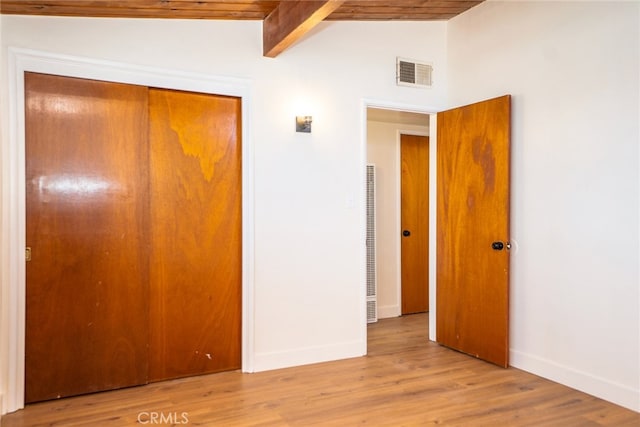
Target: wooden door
[(86, 203), (473, 229), (414, 155), (135, 224), (196, 234)]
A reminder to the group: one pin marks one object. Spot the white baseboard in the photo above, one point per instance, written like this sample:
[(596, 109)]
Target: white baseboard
[(386, 311), (600, 387), (307, 356)]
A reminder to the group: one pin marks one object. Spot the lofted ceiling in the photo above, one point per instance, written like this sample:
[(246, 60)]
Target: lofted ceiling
[(284, 21)]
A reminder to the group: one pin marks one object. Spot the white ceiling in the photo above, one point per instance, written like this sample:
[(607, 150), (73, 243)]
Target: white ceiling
[(395, 116)]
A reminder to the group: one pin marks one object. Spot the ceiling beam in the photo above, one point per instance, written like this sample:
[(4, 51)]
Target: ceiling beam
[(291, 20)]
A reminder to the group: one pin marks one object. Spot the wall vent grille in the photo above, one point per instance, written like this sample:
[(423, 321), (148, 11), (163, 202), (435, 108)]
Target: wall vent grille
[(372, 303), (372, 311), (413, 73)]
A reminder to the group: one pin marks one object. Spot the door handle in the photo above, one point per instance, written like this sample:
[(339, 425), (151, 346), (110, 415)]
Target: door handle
[(406, 233), (497, 246)]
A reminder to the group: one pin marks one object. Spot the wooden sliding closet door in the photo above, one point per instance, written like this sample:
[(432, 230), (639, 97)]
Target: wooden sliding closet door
[(134, 218), (196, 234), (86, 203)]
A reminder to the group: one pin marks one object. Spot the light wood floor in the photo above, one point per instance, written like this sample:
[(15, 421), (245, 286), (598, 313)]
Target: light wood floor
[(404, 381)]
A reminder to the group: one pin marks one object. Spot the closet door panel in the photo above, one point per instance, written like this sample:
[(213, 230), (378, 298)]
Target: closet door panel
[(196, 233), (86, 202)]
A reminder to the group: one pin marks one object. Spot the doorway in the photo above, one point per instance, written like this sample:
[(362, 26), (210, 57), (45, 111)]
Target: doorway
[(385, 127), (485, 143)]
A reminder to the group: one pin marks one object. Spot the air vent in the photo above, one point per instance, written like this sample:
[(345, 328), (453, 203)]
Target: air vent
[(372, 288), (413, 73)]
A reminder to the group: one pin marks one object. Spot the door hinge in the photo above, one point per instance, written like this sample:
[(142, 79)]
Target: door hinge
[(27, 254)]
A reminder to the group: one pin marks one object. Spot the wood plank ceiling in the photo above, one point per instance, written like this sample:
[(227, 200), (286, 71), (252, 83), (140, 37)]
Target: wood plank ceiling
[(284, 21)]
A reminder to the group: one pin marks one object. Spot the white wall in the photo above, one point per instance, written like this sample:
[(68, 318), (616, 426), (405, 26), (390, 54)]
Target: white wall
[(308, 189), (383, 149), (572, 68)]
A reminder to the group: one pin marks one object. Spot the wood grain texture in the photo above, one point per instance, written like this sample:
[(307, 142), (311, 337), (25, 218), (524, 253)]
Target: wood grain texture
[(196, 233), (291, 20), (86, 195), (404, 381), (414, 207), (178, 9), (472, 213), (410, 10), (367, 10)]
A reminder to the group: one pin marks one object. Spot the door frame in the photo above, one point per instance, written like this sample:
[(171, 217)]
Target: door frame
[(433, 144), (12, 342)]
